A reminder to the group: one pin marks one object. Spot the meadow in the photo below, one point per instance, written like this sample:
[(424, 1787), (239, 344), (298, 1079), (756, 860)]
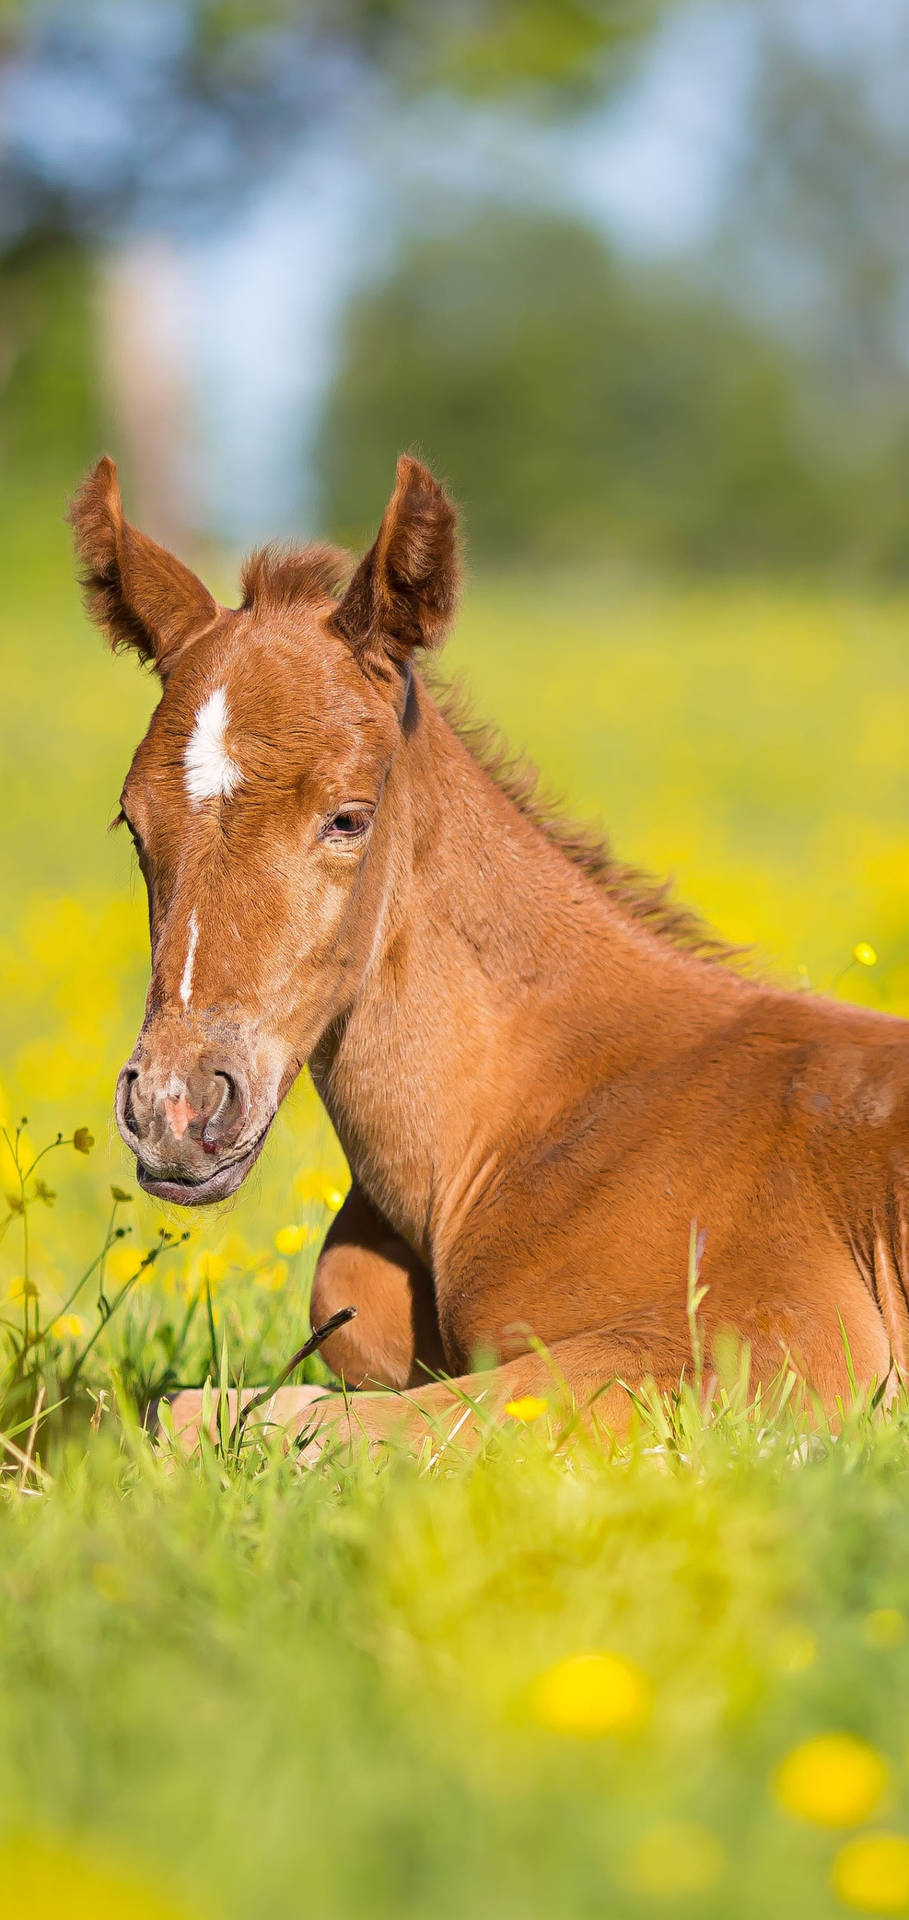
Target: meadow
[(541, 1681)]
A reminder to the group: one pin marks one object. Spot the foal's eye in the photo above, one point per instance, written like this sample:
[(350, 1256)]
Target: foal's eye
[(346, 827), (122, 820)]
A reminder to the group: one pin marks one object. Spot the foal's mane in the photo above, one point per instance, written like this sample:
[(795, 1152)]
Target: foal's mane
[(642, 895), (277, 576)]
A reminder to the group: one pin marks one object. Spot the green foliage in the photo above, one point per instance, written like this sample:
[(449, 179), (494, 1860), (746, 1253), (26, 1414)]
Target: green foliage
[(576, 407), (552, 47), (248, 1691), (49, 418), (497, 47)]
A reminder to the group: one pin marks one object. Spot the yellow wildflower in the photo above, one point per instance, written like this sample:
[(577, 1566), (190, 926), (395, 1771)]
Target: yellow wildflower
[(40, 1878), (68, 1326), (834, 1780), (123, 1263), (319, 1187), (864, 953), (885, 1627), (289, 1240), (677, 1857), (19, 1288), (592, 1693), (872, 1872), (527, 1408), (211, 1267), (273, 1275)]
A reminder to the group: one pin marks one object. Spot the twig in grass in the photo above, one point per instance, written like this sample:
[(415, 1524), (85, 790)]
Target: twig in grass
[(26, 1466), (22, 1459), (315, 1341)]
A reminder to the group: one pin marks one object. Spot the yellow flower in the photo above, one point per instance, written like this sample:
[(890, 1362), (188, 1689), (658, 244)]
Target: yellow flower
[(123, 1263), (864, 953), (873, 1872), (677, 1857), (42, 1879), (289, 1240), (310, 1185), (211, 1267), (885, 1627), (274, 1275), (527, 1408), (834, 1780), (592, 1693), (19, 1287), (68, 1326)]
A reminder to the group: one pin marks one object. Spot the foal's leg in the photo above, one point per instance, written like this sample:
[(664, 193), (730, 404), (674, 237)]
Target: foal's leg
[(589, 1368), (394, 1340), (588, 1371)]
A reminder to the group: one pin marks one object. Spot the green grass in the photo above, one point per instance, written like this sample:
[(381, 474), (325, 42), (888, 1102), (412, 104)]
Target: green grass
[(314, 1693), (261, 1691)]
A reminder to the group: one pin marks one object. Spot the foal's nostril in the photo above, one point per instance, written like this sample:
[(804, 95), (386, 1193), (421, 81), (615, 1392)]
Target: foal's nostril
[(225, 1113), (125, 1112)]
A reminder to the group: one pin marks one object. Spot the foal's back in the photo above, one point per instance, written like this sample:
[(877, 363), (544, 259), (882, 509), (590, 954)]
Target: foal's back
[(773, 1124)]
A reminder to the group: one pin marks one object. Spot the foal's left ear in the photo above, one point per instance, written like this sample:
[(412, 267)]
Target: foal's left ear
[(138, 592), (404, 592)]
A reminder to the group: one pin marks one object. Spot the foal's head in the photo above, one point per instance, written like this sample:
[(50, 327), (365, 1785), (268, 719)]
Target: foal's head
[(260, 807)]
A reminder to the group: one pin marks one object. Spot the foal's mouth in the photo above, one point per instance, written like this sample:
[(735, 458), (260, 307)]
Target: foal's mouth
[(215, 1186)]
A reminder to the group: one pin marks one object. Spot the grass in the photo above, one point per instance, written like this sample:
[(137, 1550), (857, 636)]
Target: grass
[(272, 1694), (238, 1689)]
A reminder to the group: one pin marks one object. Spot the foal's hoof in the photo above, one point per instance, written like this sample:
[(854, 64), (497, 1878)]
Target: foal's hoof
[(287, 1409)]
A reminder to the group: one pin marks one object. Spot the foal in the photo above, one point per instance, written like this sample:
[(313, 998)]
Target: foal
[(539, 1073)]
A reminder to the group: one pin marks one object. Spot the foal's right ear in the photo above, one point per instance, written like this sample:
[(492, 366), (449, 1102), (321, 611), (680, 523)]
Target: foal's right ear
[(404, 592), (138, 592)]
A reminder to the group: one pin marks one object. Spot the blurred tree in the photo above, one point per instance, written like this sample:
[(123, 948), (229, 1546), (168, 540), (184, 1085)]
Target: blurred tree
[(124, 117), (766, 414), (118, 109), (49, 417), (815, 239), (576, 408)]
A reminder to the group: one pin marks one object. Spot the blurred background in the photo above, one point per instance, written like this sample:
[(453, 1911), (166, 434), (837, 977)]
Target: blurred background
[(633, 277)]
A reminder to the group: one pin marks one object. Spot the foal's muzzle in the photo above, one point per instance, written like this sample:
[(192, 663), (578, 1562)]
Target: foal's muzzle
[(194, 1134)]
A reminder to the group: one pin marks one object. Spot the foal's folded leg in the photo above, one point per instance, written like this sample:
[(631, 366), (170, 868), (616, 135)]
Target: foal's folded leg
[(285, 1411), (589, 1375), (394, 1340)]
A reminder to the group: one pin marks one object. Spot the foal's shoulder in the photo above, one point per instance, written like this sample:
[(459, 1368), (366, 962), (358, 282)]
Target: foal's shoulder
[(825, 1057)]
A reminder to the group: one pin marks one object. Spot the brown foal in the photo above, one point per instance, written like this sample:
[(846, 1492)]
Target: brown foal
[(540, 1073)]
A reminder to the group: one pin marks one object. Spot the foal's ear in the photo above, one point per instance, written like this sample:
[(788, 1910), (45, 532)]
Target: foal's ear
[(134, 589), (404, 592)]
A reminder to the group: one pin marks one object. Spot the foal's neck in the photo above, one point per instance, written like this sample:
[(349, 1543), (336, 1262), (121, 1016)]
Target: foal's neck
[(504, 983)]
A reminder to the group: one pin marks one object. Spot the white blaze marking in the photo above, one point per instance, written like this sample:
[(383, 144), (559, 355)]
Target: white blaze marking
[(210, 771), (186, 984)]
